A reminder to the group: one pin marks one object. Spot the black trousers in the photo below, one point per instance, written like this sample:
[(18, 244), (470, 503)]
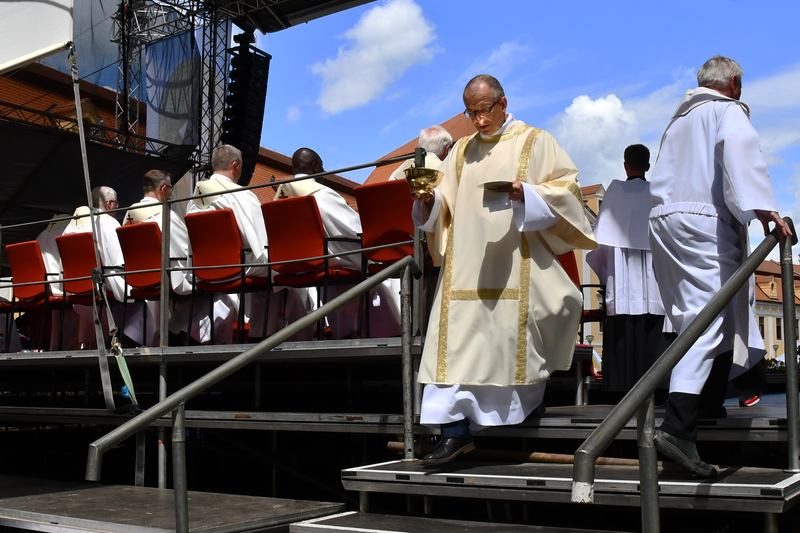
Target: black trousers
[(682, 408)]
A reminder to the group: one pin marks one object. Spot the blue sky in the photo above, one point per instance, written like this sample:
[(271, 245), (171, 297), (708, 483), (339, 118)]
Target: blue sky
[(597, 75)]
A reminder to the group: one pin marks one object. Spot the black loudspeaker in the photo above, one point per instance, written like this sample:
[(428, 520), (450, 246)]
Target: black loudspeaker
[(244, 104)]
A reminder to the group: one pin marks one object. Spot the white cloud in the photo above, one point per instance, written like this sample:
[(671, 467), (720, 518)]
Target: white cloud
[(293, 114), (595, 133), (780, 91), (388, 40)]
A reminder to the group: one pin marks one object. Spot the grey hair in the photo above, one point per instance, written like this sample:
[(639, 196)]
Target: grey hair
[(224, 155), (154, 179), (102, 194), (436, 140), (717, 72), (491, 81)]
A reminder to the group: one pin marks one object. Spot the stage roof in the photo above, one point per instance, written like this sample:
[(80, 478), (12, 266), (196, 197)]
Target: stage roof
[(270, 16)]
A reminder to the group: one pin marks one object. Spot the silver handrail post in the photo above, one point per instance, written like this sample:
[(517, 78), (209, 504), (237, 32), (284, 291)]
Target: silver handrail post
[(166, 220), (408, 370), (179, 469), (790, 354), (648, 466), (165, 274)]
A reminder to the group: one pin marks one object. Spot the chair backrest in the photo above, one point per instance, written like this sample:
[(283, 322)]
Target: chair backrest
[(27, 265), (77, 259), (294, 231), (570, 265), (141, 247), (215, 240), (385, 211)]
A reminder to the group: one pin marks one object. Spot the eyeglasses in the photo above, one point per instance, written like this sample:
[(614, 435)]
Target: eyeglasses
[(481, 112)]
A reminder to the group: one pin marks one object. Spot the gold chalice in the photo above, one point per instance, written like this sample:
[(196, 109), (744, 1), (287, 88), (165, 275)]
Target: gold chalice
[(422, 180)]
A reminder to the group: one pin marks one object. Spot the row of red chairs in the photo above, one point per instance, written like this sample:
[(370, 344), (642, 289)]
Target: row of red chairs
[(294, 228)]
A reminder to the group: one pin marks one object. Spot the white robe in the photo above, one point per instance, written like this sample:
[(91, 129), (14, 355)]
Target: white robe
[(709, 178), (623, 261), (340, 220)]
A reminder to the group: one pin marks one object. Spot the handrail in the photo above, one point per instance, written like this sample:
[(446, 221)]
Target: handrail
[(585, 457), (173, 401)]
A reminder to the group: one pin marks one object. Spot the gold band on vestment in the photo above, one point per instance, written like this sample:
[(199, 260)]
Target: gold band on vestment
[(484, 294), (571, 187)]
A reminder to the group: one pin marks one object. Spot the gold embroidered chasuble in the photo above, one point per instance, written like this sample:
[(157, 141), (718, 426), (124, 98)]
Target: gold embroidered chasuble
[(505, 312)]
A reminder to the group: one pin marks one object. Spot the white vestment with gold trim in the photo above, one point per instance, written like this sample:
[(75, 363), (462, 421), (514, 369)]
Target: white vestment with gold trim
[(505, 313)]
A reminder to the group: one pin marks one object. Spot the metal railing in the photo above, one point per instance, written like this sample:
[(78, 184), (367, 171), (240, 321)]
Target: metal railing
[(639, 399)]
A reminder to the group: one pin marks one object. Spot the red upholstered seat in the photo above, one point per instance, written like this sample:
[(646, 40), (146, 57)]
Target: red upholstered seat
[(296, 232), (385, 212), (215, 240), (27, 266)]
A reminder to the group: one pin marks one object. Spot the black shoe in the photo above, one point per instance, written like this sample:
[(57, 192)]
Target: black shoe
[(712, 413), (683, 452), (536, 413), (448, 449)]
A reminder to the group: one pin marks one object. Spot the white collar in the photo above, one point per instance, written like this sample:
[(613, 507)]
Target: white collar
[(149, 200), (503, 128), (220, 177)]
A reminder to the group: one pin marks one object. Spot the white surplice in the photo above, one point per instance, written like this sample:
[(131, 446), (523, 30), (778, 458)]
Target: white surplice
[(340, 220), (622, 260), (709, 178)]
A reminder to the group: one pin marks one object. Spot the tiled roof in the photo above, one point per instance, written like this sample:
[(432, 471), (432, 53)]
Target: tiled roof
[(590, 189), (458, 126), (273, 164)]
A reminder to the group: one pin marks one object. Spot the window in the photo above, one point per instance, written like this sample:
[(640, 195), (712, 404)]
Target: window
[(761, 326), (779, 329)]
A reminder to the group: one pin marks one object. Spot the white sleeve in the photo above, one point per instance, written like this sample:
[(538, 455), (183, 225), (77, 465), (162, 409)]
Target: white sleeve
[(533, 214), (418, 213)]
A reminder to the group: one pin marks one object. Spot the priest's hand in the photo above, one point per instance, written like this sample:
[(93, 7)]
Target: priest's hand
[(514, 190), (765, 217)]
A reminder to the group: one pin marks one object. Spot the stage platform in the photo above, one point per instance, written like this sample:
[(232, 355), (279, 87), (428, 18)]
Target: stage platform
[(56, 507), (381, 523), (765, 422), (330, 350), (734, 489)]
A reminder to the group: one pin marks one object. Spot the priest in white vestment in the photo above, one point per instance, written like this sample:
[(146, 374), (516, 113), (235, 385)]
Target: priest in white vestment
[(505, 314), (437, 143), (103, 199), (635, 332), (156, 186), (340, 220), (226, 163), (710, 180), (52, 265)]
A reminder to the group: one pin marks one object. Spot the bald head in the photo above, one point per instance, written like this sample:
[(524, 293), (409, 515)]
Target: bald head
[(306, 161)]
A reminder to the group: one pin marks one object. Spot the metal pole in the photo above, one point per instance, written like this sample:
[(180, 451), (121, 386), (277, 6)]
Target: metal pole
[(607, 431), (179, 470), (139, 472), (790, 354), (162, 432), (408, 370), (145, 419), (165, 274), (648, 466)]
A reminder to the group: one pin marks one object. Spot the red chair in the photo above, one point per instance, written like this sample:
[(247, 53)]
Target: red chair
[(27, 266), (385, 212), (141, 248), (305, 239), (78, 260), (216, 241)]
